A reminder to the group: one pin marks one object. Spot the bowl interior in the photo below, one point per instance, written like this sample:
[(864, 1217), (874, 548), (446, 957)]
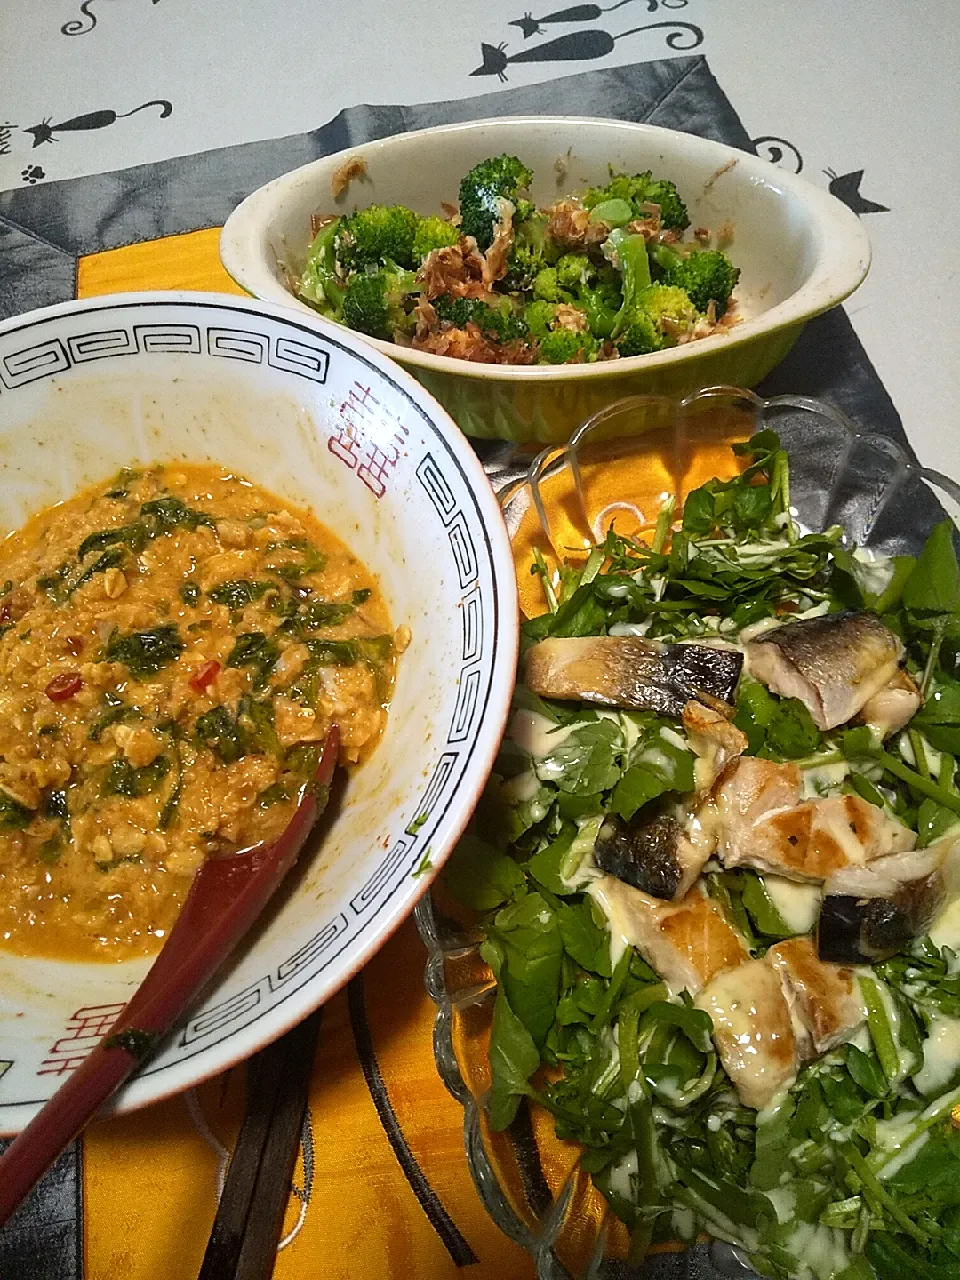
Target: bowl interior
[(774, 235), (87, 390)]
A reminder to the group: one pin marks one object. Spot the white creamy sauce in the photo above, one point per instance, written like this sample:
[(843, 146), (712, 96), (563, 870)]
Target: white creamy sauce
[(675, 739), (631, 628), (618, 920), (821, 1250), (873, 572), (536, 734), (799, 904), (945, 931), (941, 1056), (905, 1156), (622, 1176), (521, 789), (823, 780)]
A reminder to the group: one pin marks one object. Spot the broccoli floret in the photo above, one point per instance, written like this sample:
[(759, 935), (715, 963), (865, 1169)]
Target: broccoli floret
[(433, 233), (640, 189), (601, 300), (379, 234), (546, 286), (573, 270), (499, 323), (526, 257), (668, 303), (481, 191), (539, 317), (560, 346), (702, 273), (319, 284), (639, 337), (373, 302)]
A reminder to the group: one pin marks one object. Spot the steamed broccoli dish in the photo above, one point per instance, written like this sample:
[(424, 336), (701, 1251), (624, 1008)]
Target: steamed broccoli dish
[(603, 275)]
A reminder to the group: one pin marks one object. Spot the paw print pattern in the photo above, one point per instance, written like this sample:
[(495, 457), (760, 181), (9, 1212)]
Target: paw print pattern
[(32, 173)]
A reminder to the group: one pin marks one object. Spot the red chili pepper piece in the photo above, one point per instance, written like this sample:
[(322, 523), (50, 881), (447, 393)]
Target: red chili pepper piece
[(64, 686), (75, 645), (204, 676)]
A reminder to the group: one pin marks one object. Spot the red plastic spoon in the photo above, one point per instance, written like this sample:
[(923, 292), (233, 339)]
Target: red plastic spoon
[(225, 899)]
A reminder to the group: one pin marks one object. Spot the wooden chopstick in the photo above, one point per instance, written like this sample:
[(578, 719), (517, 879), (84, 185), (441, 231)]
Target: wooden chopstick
[(246, 1229)]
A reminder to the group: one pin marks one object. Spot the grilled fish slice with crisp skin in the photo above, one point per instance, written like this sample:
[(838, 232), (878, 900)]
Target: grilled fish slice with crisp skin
[(753, 1031), (822, 996), (630, 672), (833, 664), (869, 913), (687, 942), (764, 825), (661, 854)]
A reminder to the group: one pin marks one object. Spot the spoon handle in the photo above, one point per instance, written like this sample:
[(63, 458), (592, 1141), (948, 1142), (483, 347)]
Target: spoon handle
[(225, 899)]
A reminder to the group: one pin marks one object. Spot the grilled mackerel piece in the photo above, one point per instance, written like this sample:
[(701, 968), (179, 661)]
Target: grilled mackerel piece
[(764, 824), (869, 913), (833, 664), (630, 672), (753, 1030)]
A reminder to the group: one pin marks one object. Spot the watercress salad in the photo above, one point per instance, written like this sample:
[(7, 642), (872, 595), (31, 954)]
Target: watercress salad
[(855, 1172)]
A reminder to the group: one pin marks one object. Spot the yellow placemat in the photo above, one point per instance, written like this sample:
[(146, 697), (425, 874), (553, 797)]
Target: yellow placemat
[(382, 1187)]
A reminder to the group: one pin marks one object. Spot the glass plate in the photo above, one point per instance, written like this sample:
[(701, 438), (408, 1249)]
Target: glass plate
[(559, 503)]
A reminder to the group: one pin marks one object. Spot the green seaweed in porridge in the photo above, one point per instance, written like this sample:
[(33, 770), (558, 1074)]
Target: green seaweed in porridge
[(174, 645)]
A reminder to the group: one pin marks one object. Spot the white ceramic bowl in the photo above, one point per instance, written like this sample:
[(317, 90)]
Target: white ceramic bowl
[(800, 251), (323, 420)]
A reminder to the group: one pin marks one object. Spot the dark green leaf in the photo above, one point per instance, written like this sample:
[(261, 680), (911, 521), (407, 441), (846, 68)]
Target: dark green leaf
[(135, 536), (546, 864), (587, 760), (479, 876), (14, 816), (527, 933), (939, 717), (144, 653), (866, 1071), (513, 1059), (218, 730), (791, 733), (168, 513), (256, 650), (238, 592), (122, 779), (583, 938), (933, 587)]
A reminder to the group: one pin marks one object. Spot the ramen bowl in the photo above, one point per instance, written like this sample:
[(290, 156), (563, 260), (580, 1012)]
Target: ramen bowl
[(331, 425)]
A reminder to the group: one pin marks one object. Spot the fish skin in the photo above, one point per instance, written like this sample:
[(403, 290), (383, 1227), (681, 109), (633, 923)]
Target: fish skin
[(651, 853), (871, 912), (630, 672), (834, 664)]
